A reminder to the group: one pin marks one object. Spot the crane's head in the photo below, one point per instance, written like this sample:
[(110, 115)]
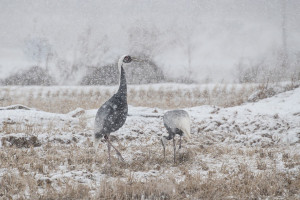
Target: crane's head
[(125, 59)]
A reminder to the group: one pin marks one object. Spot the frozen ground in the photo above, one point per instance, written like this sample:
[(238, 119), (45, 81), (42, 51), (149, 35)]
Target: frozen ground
[(57, 149), (63, 99)]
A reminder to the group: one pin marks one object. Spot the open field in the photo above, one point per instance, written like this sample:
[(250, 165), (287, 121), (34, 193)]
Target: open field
[(241, 152), (232, 65), (63, 99)]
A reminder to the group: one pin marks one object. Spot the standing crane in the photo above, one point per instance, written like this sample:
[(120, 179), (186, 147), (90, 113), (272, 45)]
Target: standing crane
[(112, 115), (176, 122)]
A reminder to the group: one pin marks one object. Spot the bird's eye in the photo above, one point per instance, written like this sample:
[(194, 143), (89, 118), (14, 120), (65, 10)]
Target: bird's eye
[(127, 59)]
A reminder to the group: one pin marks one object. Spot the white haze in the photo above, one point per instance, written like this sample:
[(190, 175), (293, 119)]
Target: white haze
[(218, 33)]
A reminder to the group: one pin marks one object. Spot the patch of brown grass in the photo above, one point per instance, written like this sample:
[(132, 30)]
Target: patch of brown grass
[(25, 187), (239, 185), (66, 99), (227, 182), (135, 190), (201, 171), (21, 141)]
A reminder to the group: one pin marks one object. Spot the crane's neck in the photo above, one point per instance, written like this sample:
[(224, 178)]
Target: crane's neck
[(123, 85)]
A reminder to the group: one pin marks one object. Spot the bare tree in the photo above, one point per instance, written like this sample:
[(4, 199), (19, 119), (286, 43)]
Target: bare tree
[(87, 52), (184, 40), (39, 50), (284, 55), (144, 41)]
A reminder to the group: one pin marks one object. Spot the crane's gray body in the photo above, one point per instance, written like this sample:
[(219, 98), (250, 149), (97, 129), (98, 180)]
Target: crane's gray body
[(112, 115), (177, 122)]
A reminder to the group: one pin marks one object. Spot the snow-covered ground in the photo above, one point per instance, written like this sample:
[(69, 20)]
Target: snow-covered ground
[(221, 138)]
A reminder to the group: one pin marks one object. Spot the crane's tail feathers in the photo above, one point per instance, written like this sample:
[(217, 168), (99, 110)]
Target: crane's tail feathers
[(96, 143), (97, 140), (185, 125), (163, 141), (98, 135), (188, 134)]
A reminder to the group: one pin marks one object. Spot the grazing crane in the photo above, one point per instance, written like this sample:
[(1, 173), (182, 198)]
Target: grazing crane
[(176, 122), (113, 113)]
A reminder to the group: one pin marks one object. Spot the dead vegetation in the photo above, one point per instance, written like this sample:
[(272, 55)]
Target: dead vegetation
[(202, 171), (21, 142), (66, 99), (53, 167), (26, 187), (242, 184)]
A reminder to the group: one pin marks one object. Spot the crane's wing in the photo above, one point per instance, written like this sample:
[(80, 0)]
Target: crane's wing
[(102, 117), (179, 119), (111, 116)]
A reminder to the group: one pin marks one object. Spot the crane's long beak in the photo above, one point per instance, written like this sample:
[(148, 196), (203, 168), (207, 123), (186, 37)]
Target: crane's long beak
[(136, 59)]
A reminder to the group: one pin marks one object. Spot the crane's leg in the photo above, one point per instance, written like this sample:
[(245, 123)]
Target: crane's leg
[(118, 153), (174, 148), (180, 143), (164, 148), (164, 152), (108, 146), (96, 146)]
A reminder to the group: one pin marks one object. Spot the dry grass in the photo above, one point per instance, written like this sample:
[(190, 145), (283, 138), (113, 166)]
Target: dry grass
[(65, 99), (242, 184), (30, 173), (26, 187), (205, 168)]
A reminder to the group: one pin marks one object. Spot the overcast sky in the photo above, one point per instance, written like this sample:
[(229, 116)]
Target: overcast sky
[(219, 33)]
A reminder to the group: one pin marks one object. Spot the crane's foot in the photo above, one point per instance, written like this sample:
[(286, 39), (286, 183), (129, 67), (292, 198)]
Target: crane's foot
[(120, 156), (109, 159), (118, 153)]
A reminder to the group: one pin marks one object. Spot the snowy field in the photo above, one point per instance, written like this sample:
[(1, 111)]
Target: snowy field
[(63, 99), (242, 56), (245, 151)]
